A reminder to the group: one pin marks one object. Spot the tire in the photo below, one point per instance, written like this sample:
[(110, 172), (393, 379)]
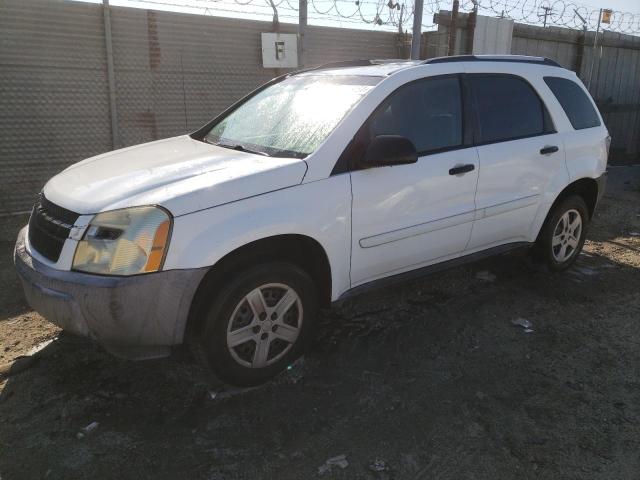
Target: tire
[(259, 326), (563, 234)]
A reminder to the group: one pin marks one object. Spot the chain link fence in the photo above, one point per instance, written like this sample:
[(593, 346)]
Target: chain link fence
[(173, 72)]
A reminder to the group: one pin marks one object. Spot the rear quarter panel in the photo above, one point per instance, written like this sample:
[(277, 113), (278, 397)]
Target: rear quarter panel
[(586, 149)]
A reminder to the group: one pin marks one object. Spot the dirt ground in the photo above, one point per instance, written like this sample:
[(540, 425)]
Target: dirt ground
[(428, 380)]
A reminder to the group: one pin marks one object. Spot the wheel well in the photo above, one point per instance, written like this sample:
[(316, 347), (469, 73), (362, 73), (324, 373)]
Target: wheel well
[(303, 251), (587, 188)]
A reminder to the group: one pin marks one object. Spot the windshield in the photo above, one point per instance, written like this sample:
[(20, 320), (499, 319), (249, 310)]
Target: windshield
[(292, 117)]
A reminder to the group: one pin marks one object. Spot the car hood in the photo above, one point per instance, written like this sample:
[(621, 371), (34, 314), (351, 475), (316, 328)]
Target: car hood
[(181, 174)]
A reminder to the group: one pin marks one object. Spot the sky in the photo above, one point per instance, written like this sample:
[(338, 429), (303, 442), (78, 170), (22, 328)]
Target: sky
[(622, 5), (357, 13)]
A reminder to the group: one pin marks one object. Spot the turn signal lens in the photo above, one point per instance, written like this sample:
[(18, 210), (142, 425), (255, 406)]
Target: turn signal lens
[(156, 255), (124, 242)]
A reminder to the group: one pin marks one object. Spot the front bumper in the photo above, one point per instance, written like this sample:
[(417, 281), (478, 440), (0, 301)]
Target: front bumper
[(135, 317)]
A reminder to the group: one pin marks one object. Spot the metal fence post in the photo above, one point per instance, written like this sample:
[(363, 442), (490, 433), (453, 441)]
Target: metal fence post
[(453, 28), (471, 28), (111, 78), (302, 32), (416, 38), (593, 53)]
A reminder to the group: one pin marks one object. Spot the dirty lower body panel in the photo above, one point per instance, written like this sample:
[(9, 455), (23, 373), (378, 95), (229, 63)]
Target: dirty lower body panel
[(136, 317)]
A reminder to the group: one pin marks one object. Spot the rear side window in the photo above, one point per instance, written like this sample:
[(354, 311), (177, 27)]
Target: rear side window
[(427, 112), (508, 108), (574, 101)]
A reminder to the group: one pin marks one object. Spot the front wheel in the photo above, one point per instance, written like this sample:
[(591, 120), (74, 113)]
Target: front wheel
[(563, 234), (259, 323)]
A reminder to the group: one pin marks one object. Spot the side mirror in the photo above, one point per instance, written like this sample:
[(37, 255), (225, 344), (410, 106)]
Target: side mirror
[(388, 150)]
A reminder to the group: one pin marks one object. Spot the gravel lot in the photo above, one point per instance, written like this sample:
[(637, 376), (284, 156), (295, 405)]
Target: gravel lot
[(423, 381)]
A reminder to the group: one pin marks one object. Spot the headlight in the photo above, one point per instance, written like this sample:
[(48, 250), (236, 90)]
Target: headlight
[(124, 242)]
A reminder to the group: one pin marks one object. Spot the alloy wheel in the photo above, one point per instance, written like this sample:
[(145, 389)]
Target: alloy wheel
[(264, 325), (566, 236)]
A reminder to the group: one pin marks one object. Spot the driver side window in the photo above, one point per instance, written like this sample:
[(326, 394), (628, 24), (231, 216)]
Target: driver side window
[(428, 112)]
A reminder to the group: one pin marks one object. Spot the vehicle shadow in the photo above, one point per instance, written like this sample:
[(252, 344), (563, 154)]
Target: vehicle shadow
[(429, 377), (12, 301)]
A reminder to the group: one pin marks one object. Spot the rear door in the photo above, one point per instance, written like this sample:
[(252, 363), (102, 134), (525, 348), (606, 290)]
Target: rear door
[(519, 153), (407, 216)]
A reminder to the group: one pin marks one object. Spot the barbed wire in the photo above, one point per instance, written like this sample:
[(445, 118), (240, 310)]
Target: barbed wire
[(388, 14), (561, 13)]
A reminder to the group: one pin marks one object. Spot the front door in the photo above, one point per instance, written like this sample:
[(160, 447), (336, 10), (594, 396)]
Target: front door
[(408, 216)]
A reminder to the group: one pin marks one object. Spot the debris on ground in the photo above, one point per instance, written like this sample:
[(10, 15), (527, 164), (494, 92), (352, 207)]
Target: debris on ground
[(293, 374), (524, 323), (485, 276), (634, 234), (378, 466), (337, 461), (87, 430), (296, 370), (230, 391), (481, 395)]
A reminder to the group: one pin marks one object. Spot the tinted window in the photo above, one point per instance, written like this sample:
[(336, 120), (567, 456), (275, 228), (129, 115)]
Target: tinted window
[(427, 112), (574, 101), (508, 108)]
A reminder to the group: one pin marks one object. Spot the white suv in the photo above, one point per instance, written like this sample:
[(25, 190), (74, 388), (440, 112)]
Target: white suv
[(317, 185)]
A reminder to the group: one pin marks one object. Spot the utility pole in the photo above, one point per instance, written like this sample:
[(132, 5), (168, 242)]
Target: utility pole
[(547, 12), (416, 38), (302, 32)]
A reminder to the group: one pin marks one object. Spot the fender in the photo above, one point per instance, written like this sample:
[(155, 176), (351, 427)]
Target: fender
[(202, 238)]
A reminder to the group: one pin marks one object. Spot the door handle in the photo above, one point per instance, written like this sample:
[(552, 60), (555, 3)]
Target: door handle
[(458, 169), (548, 150)]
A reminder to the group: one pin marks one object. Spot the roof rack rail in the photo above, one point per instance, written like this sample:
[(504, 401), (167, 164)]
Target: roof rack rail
[(494, 58), (357, 63), (350, 63), (343, 64)]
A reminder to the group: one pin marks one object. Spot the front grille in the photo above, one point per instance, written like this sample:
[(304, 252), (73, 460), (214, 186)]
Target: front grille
[(49, 227)]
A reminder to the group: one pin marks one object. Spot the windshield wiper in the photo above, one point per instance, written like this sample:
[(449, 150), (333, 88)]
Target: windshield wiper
[(240, 148)]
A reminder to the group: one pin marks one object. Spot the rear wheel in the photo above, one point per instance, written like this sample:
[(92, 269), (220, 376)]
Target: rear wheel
[(563, 234), (259, 323)]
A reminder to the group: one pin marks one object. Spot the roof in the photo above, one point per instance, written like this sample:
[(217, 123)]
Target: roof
[(387, 67)]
